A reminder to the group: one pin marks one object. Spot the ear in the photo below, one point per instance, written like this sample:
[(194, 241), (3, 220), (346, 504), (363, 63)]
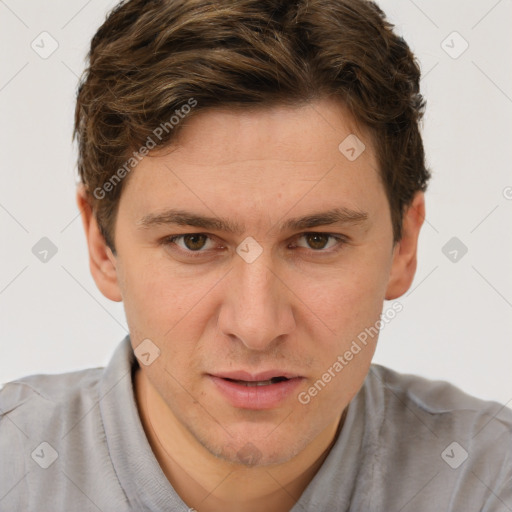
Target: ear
[(102, 261), (405, 252)]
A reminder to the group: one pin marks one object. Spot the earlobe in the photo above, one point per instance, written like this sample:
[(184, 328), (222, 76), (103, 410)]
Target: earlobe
[(102, 261), (405, 252)]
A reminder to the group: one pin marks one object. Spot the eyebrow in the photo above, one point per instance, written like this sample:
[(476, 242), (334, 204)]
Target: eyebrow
[(186, 218), (334, 216)]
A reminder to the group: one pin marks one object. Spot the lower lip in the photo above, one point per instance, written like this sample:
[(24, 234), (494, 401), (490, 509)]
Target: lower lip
[(256, 397)]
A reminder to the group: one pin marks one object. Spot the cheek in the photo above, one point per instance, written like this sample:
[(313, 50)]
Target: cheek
[(348, 300), (145, 293), (342, 349), (154, 296), (171, 310)]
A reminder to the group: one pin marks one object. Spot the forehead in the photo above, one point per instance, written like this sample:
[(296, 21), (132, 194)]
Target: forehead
[(310, 131), (267, 157)]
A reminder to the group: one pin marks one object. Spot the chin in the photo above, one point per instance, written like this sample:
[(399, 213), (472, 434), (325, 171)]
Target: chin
[(251, 449), (251, 456)]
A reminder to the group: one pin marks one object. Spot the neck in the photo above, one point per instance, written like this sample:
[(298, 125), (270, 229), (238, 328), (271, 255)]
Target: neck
[(208, 483)]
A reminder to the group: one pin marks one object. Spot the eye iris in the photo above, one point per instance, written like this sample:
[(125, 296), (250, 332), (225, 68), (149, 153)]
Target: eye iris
[(194, 242), (317, 240)]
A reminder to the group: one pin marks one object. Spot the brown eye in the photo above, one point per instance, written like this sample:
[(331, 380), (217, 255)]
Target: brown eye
[(321, 242), (317, 240), (194, 242)]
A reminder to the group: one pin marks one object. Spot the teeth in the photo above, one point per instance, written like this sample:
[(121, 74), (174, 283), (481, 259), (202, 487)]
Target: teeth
[(255, 383)]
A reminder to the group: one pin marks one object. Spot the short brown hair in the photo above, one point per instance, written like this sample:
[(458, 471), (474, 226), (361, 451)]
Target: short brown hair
[(152, 57)]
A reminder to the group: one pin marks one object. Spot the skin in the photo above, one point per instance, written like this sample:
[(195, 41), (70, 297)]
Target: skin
[(297, 307)]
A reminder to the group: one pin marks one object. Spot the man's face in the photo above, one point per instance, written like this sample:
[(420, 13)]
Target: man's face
[(291, 310)]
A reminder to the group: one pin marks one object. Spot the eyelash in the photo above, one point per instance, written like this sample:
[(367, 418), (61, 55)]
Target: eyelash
[(341, 241)]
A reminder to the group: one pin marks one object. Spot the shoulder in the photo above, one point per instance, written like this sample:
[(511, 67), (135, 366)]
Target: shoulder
[(431, 429), (50, 386), (47, 396), (435, 399), (54, 447), (45, 420), (46, 408)]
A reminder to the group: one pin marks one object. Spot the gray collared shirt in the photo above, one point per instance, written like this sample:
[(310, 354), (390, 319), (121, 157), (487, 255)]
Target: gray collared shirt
[(75, 442)]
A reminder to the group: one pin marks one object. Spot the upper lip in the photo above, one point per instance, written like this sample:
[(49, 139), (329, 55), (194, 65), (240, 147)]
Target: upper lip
[(254, 377)]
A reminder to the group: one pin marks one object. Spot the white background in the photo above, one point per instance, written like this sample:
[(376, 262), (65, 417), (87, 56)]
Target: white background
[(457, 319)]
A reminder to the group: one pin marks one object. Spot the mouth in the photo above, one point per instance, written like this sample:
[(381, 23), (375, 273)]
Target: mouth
[(250, 384), (266, 390)]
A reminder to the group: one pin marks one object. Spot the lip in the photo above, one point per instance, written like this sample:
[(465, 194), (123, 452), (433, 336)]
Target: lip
[(255, 397), (250, 377)]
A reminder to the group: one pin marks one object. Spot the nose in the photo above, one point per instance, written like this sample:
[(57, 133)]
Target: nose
[(258, 306)]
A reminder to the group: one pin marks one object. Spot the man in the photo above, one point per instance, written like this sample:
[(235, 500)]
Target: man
[(252, 189)]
